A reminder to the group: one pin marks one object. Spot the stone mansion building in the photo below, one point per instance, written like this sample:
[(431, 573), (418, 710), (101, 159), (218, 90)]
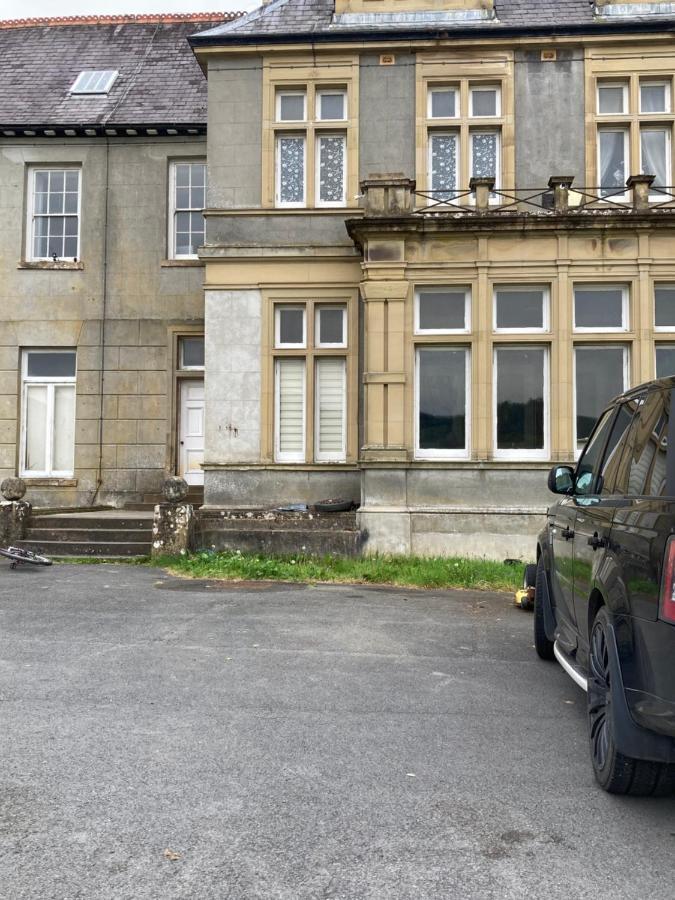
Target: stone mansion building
[(395, 251)]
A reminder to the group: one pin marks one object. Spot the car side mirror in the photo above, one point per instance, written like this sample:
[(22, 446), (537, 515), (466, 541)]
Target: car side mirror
[(561, 480)]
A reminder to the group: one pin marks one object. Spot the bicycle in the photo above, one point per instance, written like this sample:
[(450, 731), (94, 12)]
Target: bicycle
[(19, 555)]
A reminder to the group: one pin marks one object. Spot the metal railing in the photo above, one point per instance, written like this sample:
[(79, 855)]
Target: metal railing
[(545, 201)]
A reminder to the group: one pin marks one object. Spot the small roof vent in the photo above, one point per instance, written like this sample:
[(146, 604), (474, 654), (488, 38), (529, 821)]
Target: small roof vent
[(94, 82)]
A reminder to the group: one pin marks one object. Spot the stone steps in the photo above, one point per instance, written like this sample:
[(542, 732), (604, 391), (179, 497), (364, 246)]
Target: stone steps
[(101, 549), (107, 533)]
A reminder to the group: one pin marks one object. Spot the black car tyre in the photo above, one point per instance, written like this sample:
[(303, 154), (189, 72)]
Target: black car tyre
[(614, 772), (542, 644), (530, 576)]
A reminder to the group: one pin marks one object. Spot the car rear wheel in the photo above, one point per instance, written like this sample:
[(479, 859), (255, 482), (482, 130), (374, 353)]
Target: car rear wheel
[(542, 644), (615, 772)]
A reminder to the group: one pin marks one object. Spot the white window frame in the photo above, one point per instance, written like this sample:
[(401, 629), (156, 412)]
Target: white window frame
[(524, 455), (656, 82), (494, 199), (486, 87), (661, 345), (669, 329), (279, 136), (201, 161), (433, 132), (50, 382), (443, 89), (544, 289), (299, 92), (444, 454), (318, 455), (422, 288), (32, 216), (280, 456), (331, 92), (626, 376), (181, 365), (317, 169), (667, 129), (625, 308), (625, 130), (317, 330), (623, 85), (278, 308), (103, 89)]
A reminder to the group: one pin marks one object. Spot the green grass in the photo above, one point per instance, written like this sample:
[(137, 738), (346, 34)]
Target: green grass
[(406, 571)]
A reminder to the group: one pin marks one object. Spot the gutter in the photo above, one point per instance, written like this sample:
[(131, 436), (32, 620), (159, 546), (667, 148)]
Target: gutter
[(495, 30)]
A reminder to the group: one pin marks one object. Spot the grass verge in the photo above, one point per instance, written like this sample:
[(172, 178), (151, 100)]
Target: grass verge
[(406, 571)]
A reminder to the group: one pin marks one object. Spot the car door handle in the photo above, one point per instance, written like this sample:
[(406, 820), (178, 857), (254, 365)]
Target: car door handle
[(596, 541), (567, 534)]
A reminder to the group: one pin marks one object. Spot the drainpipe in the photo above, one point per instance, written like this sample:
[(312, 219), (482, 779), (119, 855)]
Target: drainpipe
[(104, 292)]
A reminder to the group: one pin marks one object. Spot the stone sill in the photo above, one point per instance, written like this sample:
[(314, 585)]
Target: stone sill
[(50, 482), (60, 265), (181, 263), (286, 211)]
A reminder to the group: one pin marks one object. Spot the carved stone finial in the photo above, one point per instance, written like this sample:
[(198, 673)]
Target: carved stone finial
[(175, 489), (13, 488)]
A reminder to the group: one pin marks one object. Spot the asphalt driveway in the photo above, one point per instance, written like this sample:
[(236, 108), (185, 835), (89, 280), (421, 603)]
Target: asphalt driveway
[(165, 739)]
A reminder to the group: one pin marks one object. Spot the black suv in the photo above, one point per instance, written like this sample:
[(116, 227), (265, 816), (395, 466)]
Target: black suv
[(605, 588)]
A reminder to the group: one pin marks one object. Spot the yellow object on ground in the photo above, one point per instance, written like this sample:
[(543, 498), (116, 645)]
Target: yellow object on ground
[(524, 599)]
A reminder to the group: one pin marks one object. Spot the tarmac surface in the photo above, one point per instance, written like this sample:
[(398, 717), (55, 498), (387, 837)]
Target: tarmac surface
[(168, 739)]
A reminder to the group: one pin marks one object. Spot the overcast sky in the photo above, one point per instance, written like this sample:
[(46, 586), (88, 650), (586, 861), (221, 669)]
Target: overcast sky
[(19, 9)]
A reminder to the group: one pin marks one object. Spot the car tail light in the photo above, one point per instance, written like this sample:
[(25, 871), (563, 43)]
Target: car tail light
[(667, 600)]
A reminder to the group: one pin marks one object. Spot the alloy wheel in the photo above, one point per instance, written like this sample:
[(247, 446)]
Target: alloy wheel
[(598, 697)]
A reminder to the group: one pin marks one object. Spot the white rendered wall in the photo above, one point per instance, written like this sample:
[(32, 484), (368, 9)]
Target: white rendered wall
[(232, 347)]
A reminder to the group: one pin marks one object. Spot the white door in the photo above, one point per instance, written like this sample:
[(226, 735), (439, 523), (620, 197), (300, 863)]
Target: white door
[(191, 431)]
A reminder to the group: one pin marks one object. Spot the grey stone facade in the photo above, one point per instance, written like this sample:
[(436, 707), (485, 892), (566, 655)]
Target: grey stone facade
[(123, 297)]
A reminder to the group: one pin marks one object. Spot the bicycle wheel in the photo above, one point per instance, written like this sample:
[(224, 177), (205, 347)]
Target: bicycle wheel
[(18, 554)]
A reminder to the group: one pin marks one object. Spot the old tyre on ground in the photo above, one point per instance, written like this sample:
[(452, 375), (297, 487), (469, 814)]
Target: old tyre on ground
[(616, 773), (338, 504), (542, 644)]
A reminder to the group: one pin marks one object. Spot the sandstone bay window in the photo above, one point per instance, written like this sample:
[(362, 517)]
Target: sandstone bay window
[(54, 214), (310, 137), (310, 382), (601, 307), (521, 389), (187, 199), (48, 413), (442, 372), (664, 321), (521, 308), (600, 370), (464, 127), (442, 399), (520, 372), (634, 124), (600, 373), (665, 360)]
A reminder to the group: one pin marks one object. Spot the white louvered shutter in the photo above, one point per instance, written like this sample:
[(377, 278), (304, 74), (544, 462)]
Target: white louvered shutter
[(330, 409), (290, 409)]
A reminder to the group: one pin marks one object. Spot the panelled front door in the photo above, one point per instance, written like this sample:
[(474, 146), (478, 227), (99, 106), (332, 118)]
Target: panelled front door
[(191, 430)]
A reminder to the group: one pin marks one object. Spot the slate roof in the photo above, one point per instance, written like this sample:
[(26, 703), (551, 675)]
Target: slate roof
[(285, 18), (159, 82)]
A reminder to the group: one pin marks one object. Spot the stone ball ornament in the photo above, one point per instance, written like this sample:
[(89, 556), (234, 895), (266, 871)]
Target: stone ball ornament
[(13, 488), (175, 489)]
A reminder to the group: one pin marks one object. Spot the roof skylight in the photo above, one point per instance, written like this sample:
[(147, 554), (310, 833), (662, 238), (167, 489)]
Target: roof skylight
[(94, 82)]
